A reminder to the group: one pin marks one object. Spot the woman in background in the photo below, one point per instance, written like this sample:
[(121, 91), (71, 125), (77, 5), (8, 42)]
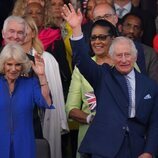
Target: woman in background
[(55, 122), (89, 9), (20, 5), (50, 36)]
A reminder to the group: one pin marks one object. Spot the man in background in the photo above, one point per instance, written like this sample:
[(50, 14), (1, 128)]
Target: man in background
[(123, 7), (133, 28)]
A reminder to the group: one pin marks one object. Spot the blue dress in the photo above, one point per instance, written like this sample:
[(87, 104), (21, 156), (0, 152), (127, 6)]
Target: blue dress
[(16, 111)]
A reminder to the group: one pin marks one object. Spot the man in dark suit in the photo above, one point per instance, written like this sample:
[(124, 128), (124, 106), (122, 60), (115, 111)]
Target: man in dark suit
[(132, 27), (126, 121), (123, 7)]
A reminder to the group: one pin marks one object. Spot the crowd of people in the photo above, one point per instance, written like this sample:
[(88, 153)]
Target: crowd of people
[(81, 74)]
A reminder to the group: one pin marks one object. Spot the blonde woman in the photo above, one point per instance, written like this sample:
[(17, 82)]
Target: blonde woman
[(55, 122)]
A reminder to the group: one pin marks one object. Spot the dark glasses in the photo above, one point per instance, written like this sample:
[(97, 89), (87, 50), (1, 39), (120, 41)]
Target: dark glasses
[(99, 37)]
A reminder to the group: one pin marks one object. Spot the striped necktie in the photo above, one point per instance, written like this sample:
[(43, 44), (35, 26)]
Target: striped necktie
[(120, 12), (130, 95)]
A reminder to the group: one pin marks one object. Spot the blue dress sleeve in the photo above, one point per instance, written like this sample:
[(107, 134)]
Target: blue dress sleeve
[(38, 97)]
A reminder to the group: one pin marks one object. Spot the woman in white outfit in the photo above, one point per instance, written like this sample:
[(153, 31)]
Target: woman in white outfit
[(54, 122)]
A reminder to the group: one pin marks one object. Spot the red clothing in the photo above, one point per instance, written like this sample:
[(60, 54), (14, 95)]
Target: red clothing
[(48, 36), (155, 43)]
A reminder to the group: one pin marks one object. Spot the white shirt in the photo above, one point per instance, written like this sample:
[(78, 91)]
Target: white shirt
[(76, 38), (127, 9)]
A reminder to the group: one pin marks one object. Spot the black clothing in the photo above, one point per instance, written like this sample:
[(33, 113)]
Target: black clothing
[(6, 7), (59, 54)]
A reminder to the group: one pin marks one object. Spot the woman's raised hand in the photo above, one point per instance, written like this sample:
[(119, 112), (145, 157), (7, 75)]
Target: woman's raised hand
[(38, 66), (73, 18)]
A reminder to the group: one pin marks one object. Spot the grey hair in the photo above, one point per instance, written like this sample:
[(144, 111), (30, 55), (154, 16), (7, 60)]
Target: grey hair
[(18, 19), (121, 40), (14, 51)]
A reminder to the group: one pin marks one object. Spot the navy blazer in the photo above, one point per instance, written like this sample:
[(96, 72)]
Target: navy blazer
[(107, 131)]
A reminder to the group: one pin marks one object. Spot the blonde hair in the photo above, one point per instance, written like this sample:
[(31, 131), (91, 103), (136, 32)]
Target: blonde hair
[(16, 52), (50, 20), (19, 7), (36, 43)]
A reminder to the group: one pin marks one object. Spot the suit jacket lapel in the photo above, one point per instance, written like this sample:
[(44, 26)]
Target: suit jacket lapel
[(121, 81), (117, 86), (138, 89)]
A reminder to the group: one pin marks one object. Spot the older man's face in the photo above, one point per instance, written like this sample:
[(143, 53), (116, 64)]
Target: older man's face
[(14, 33), (105, 11), (123, 58)]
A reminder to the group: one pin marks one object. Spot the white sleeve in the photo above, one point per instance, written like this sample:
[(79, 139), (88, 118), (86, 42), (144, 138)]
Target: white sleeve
[(76, 38)]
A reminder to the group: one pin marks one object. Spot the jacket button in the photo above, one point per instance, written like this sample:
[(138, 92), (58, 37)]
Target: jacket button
[(123, 127)]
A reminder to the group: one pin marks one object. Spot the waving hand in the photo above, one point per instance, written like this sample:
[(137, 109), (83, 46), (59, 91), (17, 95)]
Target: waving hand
[(73, 18)]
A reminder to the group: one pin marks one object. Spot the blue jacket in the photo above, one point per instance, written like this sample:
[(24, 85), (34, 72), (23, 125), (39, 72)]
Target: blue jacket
[(16, 110)]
